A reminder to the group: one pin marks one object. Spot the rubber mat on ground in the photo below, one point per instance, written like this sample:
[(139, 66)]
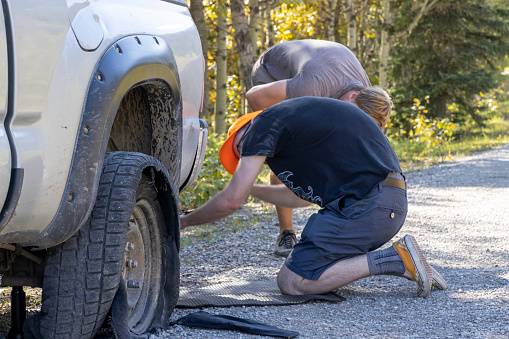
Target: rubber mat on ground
[(245, 293)]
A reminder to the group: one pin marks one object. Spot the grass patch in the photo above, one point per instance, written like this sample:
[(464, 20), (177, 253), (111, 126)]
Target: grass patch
[(467, 140)]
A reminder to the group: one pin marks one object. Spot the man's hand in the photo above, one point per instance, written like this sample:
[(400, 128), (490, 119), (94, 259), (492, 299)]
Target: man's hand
[(263, 96), (231, 197)]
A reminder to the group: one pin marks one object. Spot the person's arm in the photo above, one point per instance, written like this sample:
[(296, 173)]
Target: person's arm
[(263, 96), (231, 197), (278, 195)]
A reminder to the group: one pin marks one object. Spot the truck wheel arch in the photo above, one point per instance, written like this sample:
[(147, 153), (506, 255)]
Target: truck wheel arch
[(131, 64)]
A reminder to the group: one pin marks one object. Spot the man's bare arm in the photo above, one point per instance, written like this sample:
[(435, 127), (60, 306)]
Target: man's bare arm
[(231, 197), (263, 96), (278, 195)]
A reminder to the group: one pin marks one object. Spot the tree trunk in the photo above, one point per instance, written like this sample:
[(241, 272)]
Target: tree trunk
[(243, 41), (242, 102), (220, 120), (351, 25), (337, 14), (270, 35), (331, 36), (196, 9), (441, 108), (254, 24), (361, 33), (385, 43), (425, 7)]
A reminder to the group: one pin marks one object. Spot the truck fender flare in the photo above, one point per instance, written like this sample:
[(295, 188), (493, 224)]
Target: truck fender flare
[(130, 62)]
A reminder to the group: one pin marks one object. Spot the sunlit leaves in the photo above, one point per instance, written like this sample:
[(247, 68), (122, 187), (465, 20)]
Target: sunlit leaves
[(294, 21)]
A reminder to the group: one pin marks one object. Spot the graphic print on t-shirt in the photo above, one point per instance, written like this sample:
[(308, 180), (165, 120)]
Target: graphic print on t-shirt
[(299, 191)]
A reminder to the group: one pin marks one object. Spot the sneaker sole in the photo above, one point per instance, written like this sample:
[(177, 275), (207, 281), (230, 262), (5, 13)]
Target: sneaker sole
[(422, 267), (438, 282), (284, 254)]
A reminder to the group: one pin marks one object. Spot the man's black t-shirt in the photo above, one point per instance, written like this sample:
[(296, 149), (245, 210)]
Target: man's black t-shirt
[(321, 148)]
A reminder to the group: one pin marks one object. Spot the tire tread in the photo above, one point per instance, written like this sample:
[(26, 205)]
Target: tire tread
[(77, 295)]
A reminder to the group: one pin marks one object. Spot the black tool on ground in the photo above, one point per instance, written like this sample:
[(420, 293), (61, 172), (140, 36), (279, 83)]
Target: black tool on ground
[(18, 313), (204, 319)]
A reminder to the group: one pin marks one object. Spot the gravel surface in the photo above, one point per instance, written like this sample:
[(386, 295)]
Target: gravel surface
[(458, 214)]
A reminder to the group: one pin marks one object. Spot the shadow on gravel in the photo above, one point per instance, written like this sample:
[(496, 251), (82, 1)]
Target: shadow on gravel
[(464, 284), (464, 280)]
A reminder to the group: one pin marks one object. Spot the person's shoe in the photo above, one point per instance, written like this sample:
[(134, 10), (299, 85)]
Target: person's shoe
[(416, 266), (437, 281), (285, 242)]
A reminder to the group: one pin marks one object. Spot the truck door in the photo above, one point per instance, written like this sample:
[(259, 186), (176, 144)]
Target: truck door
[(5, 149)]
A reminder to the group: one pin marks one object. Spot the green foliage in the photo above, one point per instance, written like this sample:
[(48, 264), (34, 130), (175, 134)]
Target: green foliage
[(451, 56), (212, 179), (419, 134), (431, 141), (450, 96)]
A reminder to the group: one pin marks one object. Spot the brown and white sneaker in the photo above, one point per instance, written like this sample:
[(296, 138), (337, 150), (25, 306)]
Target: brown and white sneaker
[(438, 282), (416, 267)]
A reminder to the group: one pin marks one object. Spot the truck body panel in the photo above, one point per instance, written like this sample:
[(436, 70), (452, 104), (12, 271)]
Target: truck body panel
[(55, 64), (5, 148)]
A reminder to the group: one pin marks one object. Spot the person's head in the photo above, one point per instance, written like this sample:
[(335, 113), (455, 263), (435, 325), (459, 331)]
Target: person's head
[(229, 153), (239, 139), (372, 100)]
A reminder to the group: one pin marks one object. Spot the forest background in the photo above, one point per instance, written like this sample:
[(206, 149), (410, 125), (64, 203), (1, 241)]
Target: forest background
[(445, 63)]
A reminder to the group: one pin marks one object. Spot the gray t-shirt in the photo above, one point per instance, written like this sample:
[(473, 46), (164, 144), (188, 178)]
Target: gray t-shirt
[(313, 68)]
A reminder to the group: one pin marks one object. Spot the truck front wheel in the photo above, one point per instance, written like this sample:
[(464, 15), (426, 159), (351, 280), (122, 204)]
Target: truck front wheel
[(126, 240), (148, 252)]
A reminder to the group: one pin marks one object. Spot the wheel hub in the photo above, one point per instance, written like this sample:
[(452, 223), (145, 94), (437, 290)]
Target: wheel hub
[(134, 260)]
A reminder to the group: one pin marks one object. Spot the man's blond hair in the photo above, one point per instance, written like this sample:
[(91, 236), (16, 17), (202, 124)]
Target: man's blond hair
[(375, 102)]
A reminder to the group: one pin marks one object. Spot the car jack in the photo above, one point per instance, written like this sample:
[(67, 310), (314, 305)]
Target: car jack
[(18, 313)]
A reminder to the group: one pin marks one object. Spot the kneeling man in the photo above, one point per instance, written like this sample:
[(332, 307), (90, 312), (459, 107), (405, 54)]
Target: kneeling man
[(330, 153)]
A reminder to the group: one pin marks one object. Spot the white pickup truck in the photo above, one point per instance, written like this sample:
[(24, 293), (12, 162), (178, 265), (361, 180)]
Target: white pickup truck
[(99, 133)]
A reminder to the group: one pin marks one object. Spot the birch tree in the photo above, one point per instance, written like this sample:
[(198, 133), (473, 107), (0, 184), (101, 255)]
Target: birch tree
[(337, 14), (197, 13), (221, 68), (270, 37), (331, 35), (385, 42), (254, 24), (242, 41), (351, 22)]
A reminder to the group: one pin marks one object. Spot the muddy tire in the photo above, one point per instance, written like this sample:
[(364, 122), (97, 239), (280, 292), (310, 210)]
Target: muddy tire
[(83, 274)]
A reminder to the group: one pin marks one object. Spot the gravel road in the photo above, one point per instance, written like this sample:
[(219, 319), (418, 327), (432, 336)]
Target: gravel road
[(458, 212)]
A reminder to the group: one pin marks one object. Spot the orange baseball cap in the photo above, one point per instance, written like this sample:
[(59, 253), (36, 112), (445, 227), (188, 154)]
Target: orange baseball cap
[(226, 154)]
